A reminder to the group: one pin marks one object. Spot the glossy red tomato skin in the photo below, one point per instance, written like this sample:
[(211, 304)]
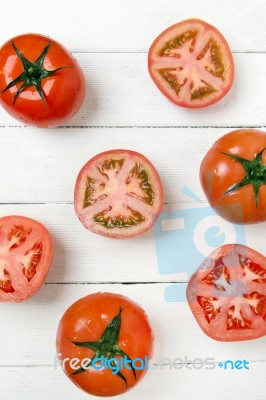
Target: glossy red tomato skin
[(64, 91), (155, 179), (194, 289), (24, 290), (219, 172), (180, 102), (85, 321)]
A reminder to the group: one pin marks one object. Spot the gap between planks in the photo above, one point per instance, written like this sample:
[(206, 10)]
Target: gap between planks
[(144, 127)]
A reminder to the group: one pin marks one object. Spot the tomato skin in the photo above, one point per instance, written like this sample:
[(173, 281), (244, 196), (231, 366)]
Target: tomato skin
[(86, 321), (218, 173), (13, 259), (169, 33), (153, 175), (64, 91), (238, 281)]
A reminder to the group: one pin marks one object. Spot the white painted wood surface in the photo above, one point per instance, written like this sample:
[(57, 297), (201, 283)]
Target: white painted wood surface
[(120, 93), (123, 109)]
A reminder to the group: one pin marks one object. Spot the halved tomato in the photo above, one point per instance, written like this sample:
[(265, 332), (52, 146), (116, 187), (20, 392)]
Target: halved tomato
[(118, 194), (192, 64), (104, 343), (227, 294), (26, 251)]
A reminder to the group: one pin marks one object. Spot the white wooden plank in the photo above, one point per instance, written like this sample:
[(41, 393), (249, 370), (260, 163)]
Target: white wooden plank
[(44, 382), (42, 166), (110, 40), (29, 329), (37, 166), (119, 25), (43, 177), (82, 256), (121, 93)]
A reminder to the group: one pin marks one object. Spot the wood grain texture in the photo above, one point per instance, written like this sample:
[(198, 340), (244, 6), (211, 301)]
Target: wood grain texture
[(41, 166), (84, 257), (119, 25), (44, 382), (124, 109), (176, 332), (121, 93)]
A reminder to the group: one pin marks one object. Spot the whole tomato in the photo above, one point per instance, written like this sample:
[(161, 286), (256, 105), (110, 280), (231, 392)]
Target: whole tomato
[(104, 343), (41, 83), (233, 176)]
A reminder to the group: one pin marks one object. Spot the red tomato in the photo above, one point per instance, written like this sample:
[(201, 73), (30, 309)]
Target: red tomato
[(192, 64), (227, 294), (110, 326), (26, 251), (41, 83), (118, 194), (233, 176)]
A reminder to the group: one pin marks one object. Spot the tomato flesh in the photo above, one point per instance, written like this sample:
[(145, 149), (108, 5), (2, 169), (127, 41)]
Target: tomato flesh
[(41, 83), (118, 194), (5, 281), (191, 64), (25, 257), (227, 294), (104, 325)]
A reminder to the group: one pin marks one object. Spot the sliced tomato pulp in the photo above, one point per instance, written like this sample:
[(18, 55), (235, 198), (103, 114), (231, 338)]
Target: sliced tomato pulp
[(227, 294), (192, 64), (118, 194), (26, 251)]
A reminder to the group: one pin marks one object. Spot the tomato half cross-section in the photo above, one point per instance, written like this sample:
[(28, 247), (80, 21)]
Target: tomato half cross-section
[(26, 251), (104, 344), (118, 194), (233, 176), (227, 294), (192, 64), (41, 83)]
